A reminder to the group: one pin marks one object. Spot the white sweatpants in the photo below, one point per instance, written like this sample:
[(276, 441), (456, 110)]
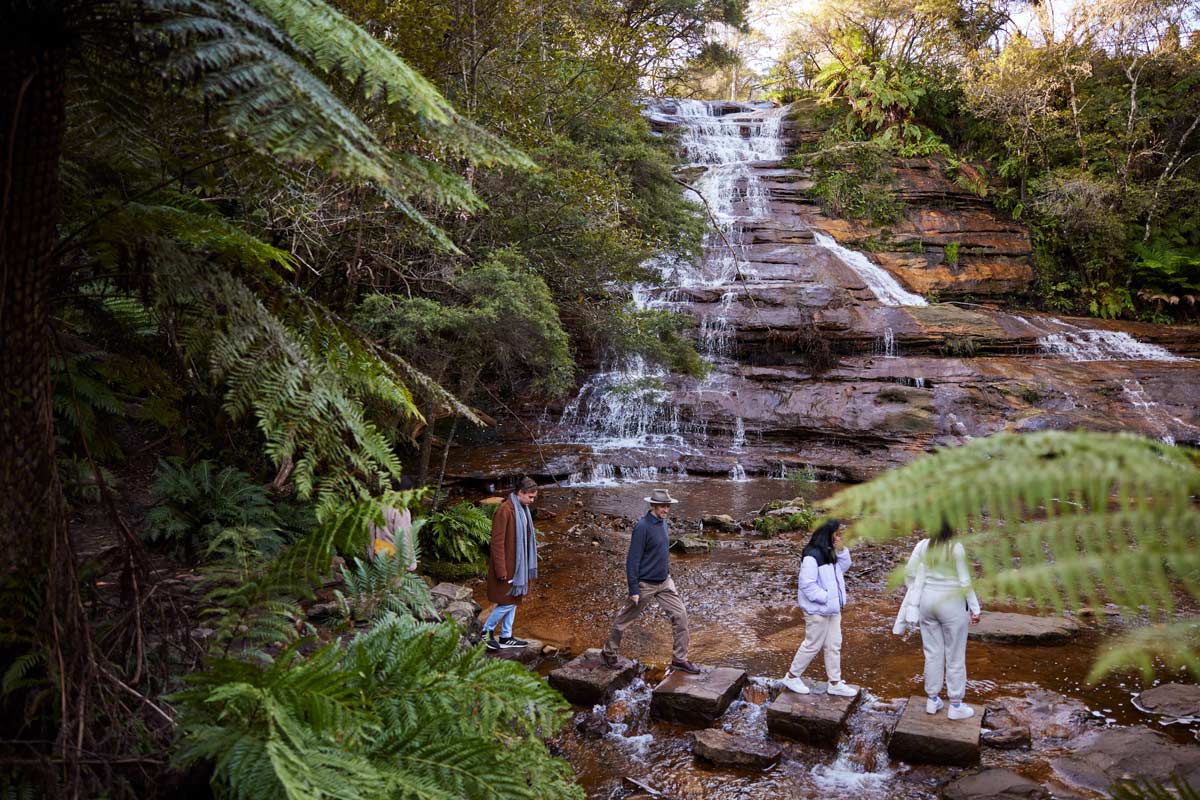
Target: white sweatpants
[(944, 623), (820, 631)]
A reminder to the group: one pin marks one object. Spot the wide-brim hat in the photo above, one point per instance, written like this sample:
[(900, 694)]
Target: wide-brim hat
[(661, 497)]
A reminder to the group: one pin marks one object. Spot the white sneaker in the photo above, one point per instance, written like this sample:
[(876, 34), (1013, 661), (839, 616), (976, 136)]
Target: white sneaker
[(795, 685), (960, 711), (933, 705), (842, 689)]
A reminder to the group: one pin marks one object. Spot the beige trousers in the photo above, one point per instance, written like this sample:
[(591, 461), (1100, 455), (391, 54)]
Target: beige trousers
[(825, 632), (669, 601)]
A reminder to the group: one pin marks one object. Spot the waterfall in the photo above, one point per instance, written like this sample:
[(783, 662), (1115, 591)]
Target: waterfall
[(887, 290), (862, 762), (1083, 344), (738, 473), (739, 435)]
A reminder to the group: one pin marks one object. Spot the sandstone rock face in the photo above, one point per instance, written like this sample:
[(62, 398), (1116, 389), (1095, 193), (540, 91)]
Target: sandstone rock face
[(587, 680), (994, 784), (720, 747), (696, 699), (1171, 700), (1103, 757), (935, 738), (816, 718), (1009, 628)]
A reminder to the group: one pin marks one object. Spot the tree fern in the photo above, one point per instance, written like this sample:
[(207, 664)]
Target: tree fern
[(1060, 519), (371, 588)]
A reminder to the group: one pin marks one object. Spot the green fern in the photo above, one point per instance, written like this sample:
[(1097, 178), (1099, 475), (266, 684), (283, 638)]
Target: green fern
[(457, 534), (382, 585), (1060, 520), (402, 711)]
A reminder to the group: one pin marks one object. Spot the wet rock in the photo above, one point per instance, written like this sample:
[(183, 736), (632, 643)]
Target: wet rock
[(720, 747), (1009, 628), (691, 545), (1049, 716), (591, 724), (1101, 758), (935, 738), (696, 699), (544, 514), (446, 593), (756, 692), (586, 680), (817, 718), (529, 654), (465, 613), (1171, 700), (1016, 737), (994, 784), (721, 522), (785, 512)]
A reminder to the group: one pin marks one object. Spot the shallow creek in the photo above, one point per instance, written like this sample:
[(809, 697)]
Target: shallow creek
[(741, 602)]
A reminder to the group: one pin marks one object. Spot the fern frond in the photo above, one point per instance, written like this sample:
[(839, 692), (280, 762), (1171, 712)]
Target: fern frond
[(1175, 644)]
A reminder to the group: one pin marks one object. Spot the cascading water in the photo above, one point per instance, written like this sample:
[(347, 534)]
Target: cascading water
[(887, 290), (862, 765)]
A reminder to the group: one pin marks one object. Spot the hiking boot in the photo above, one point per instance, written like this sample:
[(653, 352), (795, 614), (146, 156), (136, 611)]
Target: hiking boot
[(795, 685), (841, 689), (492, 644), (610, 659), (685, 666), (509, 643), (960, 711)]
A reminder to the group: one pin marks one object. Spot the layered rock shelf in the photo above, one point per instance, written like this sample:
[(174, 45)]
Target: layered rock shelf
[(816, 718), (689, 699), (935, 738), (1009, 628)]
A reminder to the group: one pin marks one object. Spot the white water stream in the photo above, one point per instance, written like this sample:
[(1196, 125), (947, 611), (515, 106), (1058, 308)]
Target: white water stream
[(887, 290)]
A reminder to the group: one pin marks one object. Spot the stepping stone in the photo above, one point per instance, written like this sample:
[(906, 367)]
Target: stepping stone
[(525, 655), (1008, 628), (720, 747), (696, 699), (994, 784), (935, 738), (586, 680), (815, 719), (1171, 700)]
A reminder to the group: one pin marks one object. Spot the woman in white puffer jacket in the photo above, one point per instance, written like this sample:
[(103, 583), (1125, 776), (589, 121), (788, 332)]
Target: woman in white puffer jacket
[(822, 595)]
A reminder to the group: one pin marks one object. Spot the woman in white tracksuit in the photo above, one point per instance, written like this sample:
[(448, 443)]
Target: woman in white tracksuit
[(822, 595), (947, 606)]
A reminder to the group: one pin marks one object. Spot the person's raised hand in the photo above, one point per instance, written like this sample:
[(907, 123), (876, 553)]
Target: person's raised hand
[(974, 618)]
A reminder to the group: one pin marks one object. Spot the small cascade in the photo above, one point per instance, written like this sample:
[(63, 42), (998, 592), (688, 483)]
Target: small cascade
[(738, 473), (862, 764), (1083, 344), (739, 435), (1135, 394), (887, 290), (596, 475), (887, 344), (628, 713)]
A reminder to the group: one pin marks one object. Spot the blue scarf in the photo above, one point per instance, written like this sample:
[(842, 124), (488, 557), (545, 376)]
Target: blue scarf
[(526, 549)]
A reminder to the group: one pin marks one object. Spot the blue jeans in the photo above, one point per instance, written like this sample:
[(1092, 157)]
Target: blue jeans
[(501, 614)]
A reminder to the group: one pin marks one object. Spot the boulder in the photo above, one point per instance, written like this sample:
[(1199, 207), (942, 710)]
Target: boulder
[(720, 747), (1171, 700), (1009, 628), (1048, 716), (587, 680), (816, 718), (465, 613), (935, 738), (690, 699), (721, 522), (1016, 737), (691, 546), (994, 784), (446, 593), (1103, 757)]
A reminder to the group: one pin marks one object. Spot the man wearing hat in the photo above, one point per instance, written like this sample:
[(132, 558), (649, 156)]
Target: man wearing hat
[(649, 577)]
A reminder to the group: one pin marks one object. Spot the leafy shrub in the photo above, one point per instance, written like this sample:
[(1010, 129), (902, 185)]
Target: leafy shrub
[(950, 254), (402, 710), (201, 509), (852, 179), (457, 534)]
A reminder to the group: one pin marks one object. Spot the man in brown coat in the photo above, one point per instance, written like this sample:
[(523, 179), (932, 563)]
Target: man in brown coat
[(512, 565)]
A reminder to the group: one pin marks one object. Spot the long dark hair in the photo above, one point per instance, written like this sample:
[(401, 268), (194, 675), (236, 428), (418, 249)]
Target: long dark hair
[(820, 546)]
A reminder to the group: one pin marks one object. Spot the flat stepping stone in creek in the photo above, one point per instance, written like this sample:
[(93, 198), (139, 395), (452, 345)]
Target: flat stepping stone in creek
[(586, 680), (1008, 628), (935, 738), (1171, 700), (816, 718), (525, 655), (720, 747), (696, 699), (994, 784)]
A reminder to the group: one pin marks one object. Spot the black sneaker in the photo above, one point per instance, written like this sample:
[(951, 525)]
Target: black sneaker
[(509, 643), (492, 644)]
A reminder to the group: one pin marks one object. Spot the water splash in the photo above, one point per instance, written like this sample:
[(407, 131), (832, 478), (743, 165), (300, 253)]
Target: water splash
[(738, 473), (862, 763), (1082, 344), (887, 290)]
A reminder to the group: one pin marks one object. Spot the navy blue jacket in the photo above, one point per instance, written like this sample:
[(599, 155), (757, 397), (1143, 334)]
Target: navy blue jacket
[(648, 550)]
